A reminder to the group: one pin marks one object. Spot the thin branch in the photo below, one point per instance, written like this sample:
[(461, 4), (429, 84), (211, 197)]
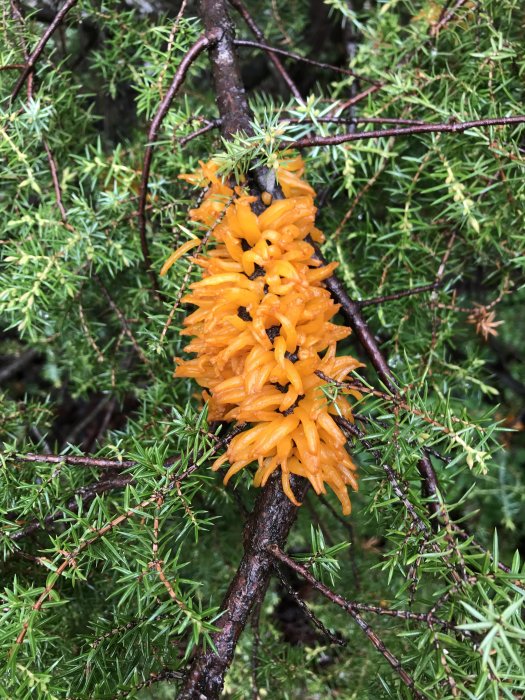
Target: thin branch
[(209, 126), (74, 460), (12, 66), (359, 97), (398, 295), (352, 609), (56, 183), (446, 17), (87, 493), (161, 677), (301, 59), (252, 24), (171, 41), (347, 604), (35, 54), (311, 141), (355, 120), (190, 57), (332, 638)]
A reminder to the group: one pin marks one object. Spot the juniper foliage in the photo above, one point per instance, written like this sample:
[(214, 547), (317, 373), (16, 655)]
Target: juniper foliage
[(113, 570)]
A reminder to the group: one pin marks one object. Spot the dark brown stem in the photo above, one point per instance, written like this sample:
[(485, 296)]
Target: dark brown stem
[(355, 120), (213, 124), (430, 487), (269, 523), (229, 90), (310, 141), (194, 52), (35, 54), (352, 312)]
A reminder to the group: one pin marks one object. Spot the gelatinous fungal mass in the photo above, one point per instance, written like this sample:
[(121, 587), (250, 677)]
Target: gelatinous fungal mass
[(262, 329)]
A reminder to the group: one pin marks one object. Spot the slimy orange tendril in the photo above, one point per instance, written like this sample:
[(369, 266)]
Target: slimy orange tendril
[(182, 250), (262, 329)]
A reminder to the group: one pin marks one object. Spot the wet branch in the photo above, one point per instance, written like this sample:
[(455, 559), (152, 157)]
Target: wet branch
[(271, 520)]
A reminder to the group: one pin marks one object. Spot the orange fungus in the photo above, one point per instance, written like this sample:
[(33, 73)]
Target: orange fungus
[(261, 330)]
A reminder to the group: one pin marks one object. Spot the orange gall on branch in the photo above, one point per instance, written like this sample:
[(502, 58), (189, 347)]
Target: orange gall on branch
[(261, 331)]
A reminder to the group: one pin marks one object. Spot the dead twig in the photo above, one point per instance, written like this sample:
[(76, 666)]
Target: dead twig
[(454, 127), (354, 610), (37, 51), (189, 58), (254, 28)]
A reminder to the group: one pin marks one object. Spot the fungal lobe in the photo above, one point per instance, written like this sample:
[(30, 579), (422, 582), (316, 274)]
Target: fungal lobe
[(262, 328)]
